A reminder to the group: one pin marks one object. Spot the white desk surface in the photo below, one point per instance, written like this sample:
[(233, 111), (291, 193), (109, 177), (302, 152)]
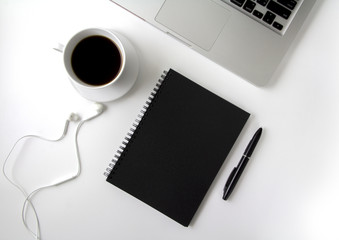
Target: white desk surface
[(289, 190)]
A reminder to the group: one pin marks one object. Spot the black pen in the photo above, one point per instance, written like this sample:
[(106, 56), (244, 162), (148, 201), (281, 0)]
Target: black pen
[(237, 171)]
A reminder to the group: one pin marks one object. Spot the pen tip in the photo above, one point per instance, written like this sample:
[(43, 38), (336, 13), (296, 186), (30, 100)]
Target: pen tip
[(259, 131)]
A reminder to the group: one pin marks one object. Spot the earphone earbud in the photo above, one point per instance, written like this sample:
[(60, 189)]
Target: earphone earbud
[(73, 117), (99, 107)]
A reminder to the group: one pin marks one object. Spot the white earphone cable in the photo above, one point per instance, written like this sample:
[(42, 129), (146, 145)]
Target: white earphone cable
[(19, 187), (73, 117)]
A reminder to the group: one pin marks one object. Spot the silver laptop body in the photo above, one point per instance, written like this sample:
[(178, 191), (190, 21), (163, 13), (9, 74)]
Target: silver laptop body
[(239, 35)]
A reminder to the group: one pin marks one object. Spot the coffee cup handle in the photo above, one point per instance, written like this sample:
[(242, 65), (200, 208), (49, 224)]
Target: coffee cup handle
[(60, 48)]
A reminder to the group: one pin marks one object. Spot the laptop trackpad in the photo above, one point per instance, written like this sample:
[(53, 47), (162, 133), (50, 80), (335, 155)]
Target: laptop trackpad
[(199, 21)]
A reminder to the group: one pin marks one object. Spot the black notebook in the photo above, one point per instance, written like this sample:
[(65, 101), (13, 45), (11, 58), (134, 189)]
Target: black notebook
[(176, 147)]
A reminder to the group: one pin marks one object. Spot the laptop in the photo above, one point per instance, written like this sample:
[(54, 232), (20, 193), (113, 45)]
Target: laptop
[(246, 37)]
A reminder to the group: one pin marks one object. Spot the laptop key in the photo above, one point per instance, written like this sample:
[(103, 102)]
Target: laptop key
[(277, 25), (262, 2), (249, 6), (279, 10), (288, 3), (258, 14), (269, 17), (239, 3)]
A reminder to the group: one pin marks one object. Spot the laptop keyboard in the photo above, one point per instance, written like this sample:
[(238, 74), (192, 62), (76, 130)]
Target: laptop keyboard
[(277, 15)]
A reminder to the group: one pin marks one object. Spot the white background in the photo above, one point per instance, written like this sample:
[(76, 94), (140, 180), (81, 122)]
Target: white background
[(289, 190)]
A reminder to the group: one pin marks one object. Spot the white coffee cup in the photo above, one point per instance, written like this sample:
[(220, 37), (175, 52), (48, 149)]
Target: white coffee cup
[(114, 87)]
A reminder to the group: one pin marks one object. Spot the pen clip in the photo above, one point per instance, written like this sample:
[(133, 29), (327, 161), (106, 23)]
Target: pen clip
[(230, 178)]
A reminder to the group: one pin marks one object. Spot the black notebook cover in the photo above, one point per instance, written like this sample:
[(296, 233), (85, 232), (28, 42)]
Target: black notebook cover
[(177, 147)]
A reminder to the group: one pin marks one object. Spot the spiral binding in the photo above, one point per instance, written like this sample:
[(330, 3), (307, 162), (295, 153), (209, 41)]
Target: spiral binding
[(135, 125)]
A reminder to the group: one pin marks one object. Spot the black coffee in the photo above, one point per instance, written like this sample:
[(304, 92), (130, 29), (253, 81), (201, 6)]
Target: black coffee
[(96, 60)]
